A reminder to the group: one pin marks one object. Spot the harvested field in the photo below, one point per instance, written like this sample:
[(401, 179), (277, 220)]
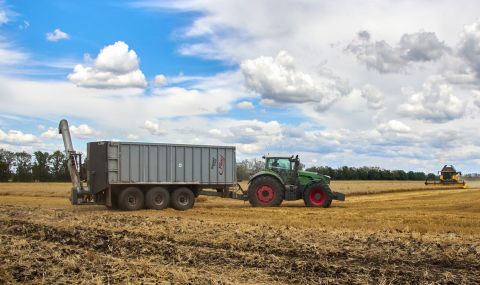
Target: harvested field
[(413, 237)]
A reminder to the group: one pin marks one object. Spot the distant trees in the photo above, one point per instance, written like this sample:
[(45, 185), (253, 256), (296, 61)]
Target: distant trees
[(42, 166), (248, 167), (367, 173)]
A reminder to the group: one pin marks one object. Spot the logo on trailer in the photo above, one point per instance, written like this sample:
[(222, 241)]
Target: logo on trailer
[(221, 165)]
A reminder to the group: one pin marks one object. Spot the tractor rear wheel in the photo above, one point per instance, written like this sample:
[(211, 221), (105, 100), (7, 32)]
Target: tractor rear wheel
[(318, 195), (182, 199), (265, 191), (131, 199), (157, 198)]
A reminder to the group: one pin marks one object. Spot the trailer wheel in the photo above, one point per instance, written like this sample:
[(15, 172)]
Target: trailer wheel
[(157, 198), (131, 199), (265, 191), (182, 199), (318, 195)]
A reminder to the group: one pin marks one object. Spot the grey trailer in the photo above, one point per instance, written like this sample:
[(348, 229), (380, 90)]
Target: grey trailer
[(131, 176)]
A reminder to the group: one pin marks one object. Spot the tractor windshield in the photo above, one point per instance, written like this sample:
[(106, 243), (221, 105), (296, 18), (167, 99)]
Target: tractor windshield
[(279, 164)]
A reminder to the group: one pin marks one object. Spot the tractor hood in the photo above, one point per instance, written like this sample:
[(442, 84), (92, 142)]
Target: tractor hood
[(314, 176)]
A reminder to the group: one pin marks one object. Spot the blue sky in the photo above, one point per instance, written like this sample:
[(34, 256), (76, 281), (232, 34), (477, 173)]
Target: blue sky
[(388, 83)]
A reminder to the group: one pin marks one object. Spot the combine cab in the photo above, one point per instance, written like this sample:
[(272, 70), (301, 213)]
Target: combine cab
[(448, 177)]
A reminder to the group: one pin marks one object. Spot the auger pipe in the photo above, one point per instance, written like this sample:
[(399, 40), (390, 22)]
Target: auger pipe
[(64, 130)]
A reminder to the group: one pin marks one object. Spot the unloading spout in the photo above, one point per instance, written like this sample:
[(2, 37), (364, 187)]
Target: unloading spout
[(64, 130)]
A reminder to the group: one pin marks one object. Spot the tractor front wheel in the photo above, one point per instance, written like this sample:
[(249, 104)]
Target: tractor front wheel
[(265, 191), (318, 195)]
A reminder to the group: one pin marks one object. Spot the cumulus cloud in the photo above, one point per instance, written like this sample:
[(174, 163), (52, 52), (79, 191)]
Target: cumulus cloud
[(278, 81), (56, 35), (380, 56), (245, 105), (154, 128), (393, 126), (469, 48), (160, 80), (17, 137), (51, 133), (435, 102), (84, 131), (476, 96), (115, 67), (373, 96)]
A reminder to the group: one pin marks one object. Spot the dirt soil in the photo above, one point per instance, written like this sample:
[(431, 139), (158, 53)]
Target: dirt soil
[(427, 237)]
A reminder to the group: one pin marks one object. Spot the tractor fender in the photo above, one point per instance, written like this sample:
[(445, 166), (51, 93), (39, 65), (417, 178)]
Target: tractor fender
[(263, 173)]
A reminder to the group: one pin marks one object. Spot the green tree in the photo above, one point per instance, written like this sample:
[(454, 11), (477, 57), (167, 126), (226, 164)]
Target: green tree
[(23, 164), (59, 167), (7, 159), (41, 167)]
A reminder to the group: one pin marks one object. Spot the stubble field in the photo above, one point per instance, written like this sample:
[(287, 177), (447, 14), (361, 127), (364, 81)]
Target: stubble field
[(399, 233)]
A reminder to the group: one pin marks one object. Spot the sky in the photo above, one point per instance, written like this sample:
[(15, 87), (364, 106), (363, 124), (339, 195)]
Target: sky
[(393, 84)]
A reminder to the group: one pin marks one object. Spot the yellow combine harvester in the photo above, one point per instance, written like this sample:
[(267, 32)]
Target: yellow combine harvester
[(448, 177)]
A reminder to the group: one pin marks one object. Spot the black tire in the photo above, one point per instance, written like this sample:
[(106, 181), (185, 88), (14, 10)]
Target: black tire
[(318, 195), (131, 199), (182, 199), (265, 191), (157, 198)]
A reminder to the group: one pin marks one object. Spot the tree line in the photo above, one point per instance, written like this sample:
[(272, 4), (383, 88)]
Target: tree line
[(41, 166), (248, 167), (46, 167)]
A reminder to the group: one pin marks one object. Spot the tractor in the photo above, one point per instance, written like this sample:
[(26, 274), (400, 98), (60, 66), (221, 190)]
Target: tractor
[(282, 179)]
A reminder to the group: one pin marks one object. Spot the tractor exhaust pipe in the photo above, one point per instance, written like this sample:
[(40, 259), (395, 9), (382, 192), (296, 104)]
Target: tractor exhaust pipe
[(77, 188)]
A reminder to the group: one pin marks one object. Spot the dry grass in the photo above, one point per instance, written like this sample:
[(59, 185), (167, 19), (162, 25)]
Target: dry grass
[(427, 236)]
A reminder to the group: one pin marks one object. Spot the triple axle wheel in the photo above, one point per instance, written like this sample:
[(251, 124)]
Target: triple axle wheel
[(157, 198)]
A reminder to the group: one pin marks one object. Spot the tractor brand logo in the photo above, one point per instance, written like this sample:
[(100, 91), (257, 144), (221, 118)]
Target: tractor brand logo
[(221, 165)]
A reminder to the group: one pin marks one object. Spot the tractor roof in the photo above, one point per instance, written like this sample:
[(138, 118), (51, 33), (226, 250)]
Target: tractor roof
[(277, 156), (447, 168)]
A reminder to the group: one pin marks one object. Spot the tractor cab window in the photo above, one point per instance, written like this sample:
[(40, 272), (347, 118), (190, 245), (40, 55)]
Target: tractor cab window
[(279, 164)]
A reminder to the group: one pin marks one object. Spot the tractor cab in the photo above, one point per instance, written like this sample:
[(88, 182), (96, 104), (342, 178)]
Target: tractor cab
[(286, 167)]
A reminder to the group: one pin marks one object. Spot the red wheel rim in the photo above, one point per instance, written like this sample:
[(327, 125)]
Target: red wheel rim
[(318, 197), (265, 193)]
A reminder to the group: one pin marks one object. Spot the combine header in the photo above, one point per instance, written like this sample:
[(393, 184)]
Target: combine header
[(448, 177)]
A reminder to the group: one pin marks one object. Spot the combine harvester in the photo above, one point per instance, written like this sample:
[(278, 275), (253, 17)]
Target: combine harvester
[(448, 176), (133, 176)]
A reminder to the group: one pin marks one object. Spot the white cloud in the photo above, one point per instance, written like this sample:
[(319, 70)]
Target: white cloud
[(17, 137), (435, 103), (3, 17), (277, 79), (84, 131), (379, 55), (115, 67), (373, 96), (160, 80), (469, 47), (51, 133), (10, 55), (476, 96), (154, 128), (394, 126), (132, 137), (57, 35), (245, 105)]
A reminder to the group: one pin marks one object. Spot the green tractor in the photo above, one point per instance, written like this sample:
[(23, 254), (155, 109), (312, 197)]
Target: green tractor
[(282, 179)]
